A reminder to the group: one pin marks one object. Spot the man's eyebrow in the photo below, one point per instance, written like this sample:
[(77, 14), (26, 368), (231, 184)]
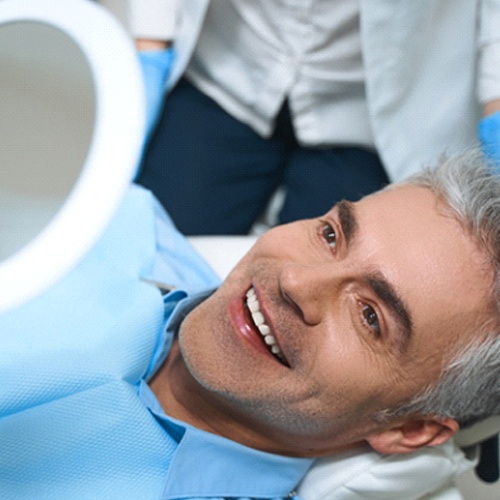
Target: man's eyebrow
[(391, 298), (380, 285), (347, 219)]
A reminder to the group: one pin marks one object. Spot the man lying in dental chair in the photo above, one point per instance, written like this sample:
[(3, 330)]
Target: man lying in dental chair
[(373, 327)]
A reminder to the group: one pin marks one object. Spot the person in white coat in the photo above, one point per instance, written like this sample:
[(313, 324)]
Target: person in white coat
[(331, 99)]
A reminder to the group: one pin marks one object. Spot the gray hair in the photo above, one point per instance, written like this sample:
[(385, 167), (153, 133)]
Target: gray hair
[(468, 389)]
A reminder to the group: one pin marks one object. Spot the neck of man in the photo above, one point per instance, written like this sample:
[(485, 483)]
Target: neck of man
[(184, 399)]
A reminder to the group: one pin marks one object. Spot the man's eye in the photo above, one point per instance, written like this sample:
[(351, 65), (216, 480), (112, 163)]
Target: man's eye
[(329, 234), (371, 319)]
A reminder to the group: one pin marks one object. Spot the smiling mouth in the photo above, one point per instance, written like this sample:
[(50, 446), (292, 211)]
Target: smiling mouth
[(253, 306)]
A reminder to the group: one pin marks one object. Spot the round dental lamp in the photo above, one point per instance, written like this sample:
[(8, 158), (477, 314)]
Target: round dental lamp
[(71, 132)]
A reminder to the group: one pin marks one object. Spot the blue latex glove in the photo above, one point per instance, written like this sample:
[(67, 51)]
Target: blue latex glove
[(489, 135), (155, 66)]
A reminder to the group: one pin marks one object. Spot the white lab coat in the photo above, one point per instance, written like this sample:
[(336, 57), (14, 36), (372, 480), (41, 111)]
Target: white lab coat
[(429, 66)]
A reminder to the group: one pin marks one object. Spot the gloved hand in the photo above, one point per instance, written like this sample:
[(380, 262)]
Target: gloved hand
[(489, 135), (155, 66)]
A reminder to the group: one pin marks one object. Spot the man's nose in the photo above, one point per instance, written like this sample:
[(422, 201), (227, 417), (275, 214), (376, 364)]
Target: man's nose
[(309, 289)]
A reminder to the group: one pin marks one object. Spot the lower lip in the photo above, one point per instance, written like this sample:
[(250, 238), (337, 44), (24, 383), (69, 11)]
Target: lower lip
[(241, 320)]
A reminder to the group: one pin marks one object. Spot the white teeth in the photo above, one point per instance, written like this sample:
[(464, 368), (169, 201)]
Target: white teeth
[(269, 340), (260, 322), (253, 305), (264, 329), (258, 318)]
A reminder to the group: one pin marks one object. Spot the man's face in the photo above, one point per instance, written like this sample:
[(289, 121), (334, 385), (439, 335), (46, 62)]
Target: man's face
[(363, 306)]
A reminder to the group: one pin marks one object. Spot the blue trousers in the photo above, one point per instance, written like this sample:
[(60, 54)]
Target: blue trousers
[(215, 175)]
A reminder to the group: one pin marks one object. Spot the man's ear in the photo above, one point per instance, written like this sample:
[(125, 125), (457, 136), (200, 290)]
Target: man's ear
[(412, 434)]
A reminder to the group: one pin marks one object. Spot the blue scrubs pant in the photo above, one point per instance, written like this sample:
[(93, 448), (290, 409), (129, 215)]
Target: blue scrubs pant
[(215, 175)]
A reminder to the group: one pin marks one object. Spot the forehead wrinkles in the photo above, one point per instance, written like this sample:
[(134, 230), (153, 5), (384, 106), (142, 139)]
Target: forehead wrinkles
[(471, 319), (487, 260)]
